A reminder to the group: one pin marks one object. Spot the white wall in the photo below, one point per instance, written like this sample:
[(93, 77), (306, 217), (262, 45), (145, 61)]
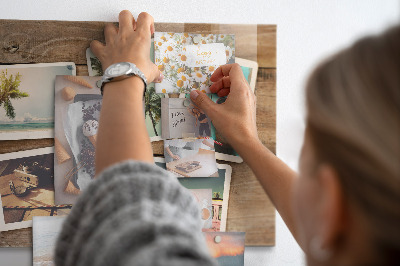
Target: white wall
[(307, 32)]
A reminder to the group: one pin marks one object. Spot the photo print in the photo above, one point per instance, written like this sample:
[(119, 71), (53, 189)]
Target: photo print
[(27, 188), (204, 199), (190, 157), (188, 60), (75, 134), (226, 247), (45, 231), (27, 99), (220, 192), (182, 119)]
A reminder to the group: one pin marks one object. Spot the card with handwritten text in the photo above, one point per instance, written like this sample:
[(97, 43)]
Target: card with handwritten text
[(188, 60)]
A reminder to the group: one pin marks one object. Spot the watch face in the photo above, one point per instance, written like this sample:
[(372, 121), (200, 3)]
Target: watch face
[(118, 69)]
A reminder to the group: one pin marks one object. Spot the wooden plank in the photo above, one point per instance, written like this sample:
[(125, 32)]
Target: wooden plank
[(250, 210), (31, 41)]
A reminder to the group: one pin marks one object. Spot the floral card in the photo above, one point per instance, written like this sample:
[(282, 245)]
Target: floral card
[(188, 60)]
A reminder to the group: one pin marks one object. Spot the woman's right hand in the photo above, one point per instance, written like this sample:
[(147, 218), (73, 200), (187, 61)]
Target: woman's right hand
[(235, 119)]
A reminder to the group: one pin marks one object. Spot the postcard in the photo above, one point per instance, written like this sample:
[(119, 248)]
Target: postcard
[(27, 188), (190, 157), (152, 100), (188, 60), (220, 188), (45, 232), (204, 199), (71, 112), (28, 100), (226, 247)]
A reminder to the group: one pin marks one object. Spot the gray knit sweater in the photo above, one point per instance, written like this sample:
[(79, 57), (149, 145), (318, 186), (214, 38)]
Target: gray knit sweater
[(134, 213)]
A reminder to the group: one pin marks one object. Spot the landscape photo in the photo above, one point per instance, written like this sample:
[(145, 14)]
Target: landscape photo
[(27, 99)]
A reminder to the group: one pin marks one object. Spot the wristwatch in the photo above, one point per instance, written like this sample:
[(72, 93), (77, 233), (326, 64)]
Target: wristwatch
[(121, 71)]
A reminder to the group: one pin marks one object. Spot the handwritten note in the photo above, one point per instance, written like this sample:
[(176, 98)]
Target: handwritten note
[(210, 54)]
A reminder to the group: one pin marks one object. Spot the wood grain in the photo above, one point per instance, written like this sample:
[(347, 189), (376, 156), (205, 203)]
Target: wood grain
[(249, 210)]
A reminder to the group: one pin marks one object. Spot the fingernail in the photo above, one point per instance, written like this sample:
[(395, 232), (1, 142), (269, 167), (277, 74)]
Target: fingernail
[(160, 78), (194, 94)]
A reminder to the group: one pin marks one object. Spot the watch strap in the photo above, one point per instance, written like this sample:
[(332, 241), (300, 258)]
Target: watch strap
[(135, 71)]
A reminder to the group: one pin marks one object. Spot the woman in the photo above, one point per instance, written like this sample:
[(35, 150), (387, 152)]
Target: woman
[(343, 208), (201, 117)]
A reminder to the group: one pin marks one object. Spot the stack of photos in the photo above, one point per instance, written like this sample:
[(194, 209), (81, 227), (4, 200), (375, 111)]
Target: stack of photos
[(190, 157), (188, 60), (220, 187), (27, 99), (27, 188), (226, 247), (45, 231)]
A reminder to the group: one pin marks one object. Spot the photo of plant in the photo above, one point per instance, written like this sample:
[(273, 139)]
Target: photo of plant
[(226, 247), (27, 188), (187, 60), (27, 99)]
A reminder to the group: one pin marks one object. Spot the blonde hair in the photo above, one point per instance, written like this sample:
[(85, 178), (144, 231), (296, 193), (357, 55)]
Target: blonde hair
[(353, 120)]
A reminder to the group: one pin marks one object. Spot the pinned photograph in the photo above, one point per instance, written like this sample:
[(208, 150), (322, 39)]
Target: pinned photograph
[(152, 100), (204, 199), (188, 60), (220, 192), (27, 99), (182, 119), (26, 188), (190, 158), (76, 123), (45, 231), (226, 247)]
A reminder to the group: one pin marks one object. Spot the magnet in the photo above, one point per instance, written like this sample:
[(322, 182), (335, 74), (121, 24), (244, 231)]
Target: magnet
[(196, 39), (217, 239), (186, 102)]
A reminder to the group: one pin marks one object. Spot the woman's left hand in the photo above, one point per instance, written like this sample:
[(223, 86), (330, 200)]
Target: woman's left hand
[(129, 43)]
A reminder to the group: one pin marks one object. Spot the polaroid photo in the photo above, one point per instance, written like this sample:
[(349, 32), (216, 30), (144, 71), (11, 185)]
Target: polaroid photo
[(250, 70), (204, 199), (188, 60), (152, 100), (45, 232), (74, 151), (28, 100), (220, 188), (27, 188), (180, 118), (226, 247), (190, 157)]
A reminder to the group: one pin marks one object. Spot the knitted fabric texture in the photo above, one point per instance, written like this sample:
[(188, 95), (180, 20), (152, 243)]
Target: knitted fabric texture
[(134, 213)]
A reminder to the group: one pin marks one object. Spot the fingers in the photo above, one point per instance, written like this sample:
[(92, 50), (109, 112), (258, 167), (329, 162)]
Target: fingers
[(110, 31), (126, 22), (203, 102), (224, 92), (157, 75), (145, 24), (225, 82), (97, 48), (232, 70)]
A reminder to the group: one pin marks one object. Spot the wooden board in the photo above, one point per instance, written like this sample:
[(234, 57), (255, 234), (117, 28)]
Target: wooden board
[(249, 210)]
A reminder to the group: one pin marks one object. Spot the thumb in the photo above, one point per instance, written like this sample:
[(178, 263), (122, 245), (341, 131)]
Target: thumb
[(203, 102)]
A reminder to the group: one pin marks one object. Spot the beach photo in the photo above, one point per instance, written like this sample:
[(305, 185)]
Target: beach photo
[(45, 231), (27, 188), (190, 158), (27, 99)]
